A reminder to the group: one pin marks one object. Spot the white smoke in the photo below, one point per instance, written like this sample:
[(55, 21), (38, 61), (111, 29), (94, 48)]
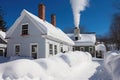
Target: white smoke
[(77, 7)]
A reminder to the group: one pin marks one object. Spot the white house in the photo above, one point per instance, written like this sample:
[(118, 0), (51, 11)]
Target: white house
[(3, 43), (33, 36), (83, 42)]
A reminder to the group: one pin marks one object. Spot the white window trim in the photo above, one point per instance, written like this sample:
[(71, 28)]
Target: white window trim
[(83, 48), (52, 48), (89, 49), (24, 24), (31, 48), (15, 48), (55, 50)]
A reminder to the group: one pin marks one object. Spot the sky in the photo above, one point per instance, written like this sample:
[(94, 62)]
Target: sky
[(96, 18)]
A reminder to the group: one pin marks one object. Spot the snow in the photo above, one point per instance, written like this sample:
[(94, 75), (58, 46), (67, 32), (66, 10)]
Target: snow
[(21, 69), (3, 34), (47, 29), (85, 39), (112, 64), (100, 47), (67, 66)]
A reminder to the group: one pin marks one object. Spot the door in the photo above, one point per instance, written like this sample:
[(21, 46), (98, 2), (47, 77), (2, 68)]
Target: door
[(1, 53), (34, 51)]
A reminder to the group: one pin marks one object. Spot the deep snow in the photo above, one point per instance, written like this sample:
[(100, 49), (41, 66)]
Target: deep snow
[(68, 66), (112, 64)]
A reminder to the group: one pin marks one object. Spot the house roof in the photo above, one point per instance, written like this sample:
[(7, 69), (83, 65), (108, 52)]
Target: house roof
[(2, 37), (3, 34), (85, 39), (44, 26)]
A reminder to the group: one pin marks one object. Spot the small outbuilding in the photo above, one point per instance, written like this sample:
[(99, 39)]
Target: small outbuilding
[(100, 50)]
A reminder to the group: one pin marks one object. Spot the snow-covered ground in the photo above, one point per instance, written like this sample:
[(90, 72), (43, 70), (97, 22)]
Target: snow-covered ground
[(112, 64), (68, 66)]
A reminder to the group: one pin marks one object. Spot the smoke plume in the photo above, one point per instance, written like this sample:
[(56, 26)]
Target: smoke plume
[(77, 7)]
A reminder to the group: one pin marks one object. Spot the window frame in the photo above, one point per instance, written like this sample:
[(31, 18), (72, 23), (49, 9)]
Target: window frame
[(90, 50), (36, 51), (55, 49), (17, 52), (82, 48), (24, 31), (51, 49)]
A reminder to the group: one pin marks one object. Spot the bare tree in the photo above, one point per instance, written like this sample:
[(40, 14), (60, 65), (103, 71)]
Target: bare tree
[(2, 22), (115, 30)]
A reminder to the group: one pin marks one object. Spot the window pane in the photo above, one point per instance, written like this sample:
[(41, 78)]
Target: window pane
[(34, 48), (17, 48), (34, 51), (25, 29), (25, 26), (61, 49), (50, 49), (55, 49), (82, 49)]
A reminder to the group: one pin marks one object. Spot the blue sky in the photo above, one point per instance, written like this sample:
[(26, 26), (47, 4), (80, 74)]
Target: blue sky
[(96, 18)]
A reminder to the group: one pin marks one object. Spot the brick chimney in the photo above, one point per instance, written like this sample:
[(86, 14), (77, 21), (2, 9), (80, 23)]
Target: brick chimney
[(53, 20), (41, 11)]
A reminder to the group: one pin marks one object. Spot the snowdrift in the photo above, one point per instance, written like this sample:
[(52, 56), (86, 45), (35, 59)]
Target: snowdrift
[(58, 67), (112, 64)]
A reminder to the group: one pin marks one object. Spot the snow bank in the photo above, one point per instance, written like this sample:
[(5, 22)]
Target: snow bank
[(58, 67), (74, 58), (21, 70), (112, 64)]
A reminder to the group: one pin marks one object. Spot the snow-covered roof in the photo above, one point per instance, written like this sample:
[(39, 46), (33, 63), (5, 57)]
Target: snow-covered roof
[(3, 34), (2, 38), (44, 26), (85, 39), (100, 47)]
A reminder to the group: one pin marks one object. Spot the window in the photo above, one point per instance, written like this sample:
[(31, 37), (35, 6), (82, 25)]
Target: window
[(82, 49), (51, 49), (61, 49), (91, 51), (17, 49), (77, 48), (34, 50), (25, 29), (73, 49), (55, 49), (76, 38), (1, 53)]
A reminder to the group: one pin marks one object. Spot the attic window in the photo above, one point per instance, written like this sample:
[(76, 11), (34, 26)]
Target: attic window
[(25, 29)]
